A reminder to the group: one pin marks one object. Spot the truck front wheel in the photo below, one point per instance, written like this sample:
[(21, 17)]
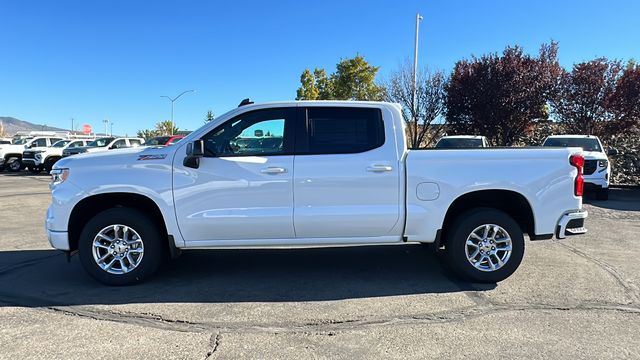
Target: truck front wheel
[(484, 245), (120, 246), (14, 164)]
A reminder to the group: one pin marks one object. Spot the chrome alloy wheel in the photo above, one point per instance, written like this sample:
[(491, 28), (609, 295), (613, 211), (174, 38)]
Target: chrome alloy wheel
[(488, 247), (118, 249)]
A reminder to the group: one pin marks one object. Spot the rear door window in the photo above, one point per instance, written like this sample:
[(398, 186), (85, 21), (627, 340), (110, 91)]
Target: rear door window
[(119, 144), (342, 130)]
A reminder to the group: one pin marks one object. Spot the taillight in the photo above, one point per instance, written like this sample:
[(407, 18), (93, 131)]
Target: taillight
[(578, 162)]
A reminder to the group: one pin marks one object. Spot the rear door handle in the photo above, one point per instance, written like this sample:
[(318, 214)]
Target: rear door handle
[(379, 168), (273, 170)]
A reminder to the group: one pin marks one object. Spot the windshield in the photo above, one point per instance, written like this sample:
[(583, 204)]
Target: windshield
[(60, 143), (459, 143), (160, 140), (588, 144), (102, 142)]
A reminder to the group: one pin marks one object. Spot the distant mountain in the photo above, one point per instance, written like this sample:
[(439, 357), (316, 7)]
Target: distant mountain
[(13, 125)]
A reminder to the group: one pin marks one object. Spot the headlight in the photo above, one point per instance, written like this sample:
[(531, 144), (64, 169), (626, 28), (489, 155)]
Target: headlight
[(603, 163), (58, 176)]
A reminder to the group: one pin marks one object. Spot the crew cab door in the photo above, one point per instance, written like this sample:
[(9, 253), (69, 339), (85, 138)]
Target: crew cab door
[(243, 187), (347, 178)]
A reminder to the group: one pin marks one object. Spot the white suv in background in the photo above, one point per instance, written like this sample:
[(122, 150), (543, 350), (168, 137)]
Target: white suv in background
[(104, 144), (597, 169), (11, 155), (43, 158)]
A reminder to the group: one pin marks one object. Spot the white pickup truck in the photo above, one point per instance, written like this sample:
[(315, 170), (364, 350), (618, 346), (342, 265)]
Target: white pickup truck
[(325, 174)]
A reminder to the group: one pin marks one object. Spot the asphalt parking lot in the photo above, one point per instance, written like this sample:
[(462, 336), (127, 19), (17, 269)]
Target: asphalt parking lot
[(576, 298)]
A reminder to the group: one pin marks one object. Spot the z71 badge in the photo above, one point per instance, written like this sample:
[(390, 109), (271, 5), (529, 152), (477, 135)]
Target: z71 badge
[(152, 157)]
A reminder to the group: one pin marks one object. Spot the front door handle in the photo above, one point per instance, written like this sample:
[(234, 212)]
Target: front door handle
[(273, 170), (379, 168)]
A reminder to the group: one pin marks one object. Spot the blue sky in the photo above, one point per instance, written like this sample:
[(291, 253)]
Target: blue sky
[(94, 60)]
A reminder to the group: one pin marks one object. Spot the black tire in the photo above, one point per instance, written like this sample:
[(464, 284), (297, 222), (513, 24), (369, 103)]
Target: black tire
[(1, 168), (35, 170), (456, 238), (151, 238), (14, 164), (603, 194)]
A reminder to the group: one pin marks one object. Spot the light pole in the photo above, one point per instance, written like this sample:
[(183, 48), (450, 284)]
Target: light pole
[(111, 128), (173, 101), (106, 124), (415, 68)]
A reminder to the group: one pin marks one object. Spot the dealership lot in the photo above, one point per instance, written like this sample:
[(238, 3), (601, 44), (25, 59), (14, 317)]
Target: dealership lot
[(576, 298)]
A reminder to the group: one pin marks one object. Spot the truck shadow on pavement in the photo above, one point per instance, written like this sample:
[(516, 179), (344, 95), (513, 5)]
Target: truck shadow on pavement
[(625, 199), (44, 278)]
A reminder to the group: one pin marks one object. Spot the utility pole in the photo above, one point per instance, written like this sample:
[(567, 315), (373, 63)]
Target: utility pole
[(72, 126), (415, 81), (415, 63), (173, 101), (106, 123), (111, 128)]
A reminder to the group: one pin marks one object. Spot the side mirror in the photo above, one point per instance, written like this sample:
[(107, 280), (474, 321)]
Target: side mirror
[(612, 152), (195, 150)]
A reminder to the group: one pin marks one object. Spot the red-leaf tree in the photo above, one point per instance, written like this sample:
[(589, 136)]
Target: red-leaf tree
[(498, 96), (624, 103), (585, 93)]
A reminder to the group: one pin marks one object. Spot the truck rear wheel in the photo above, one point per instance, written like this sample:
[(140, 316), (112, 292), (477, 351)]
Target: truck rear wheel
[(484, 245), (120, 246)]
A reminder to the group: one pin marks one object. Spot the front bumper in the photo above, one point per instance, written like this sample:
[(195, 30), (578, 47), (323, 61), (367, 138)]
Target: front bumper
[(59, 240), (30, 162), (571, 224), (595, 183)]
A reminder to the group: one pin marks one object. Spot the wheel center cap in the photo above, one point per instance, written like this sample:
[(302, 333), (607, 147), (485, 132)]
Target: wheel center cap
[(120, 249)]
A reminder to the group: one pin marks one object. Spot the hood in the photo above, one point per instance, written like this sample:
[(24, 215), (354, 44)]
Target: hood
[(594, 155), (6, 148), (37, 149), (118, 157)]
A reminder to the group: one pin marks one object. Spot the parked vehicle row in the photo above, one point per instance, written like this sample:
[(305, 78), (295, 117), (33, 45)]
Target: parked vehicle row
[(39, 151)]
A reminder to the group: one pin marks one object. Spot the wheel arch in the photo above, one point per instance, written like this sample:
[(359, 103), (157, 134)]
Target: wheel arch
[(92, 205), (511, 202)]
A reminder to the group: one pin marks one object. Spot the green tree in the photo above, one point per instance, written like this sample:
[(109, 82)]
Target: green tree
[(308, 89), (209, 116), (166, 127), (354, 79), (147, 133)]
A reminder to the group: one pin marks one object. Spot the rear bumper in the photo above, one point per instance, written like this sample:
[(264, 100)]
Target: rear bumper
[(571, 224)]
